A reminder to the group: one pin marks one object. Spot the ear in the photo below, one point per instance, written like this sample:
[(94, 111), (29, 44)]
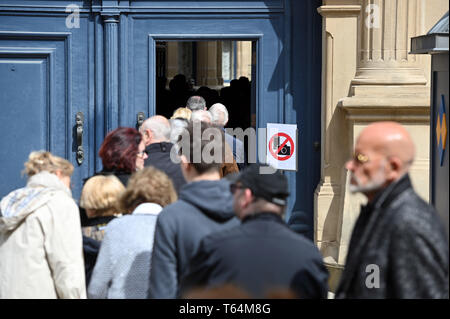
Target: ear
[(248, 196), (184, 162), (58, 173), (395, 168), (149, 134)]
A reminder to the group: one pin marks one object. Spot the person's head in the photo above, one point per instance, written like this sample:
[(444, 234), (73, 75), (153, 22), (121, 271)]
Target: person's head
[(225, 291), (256, 192), (177, 126), (201, 116), (40, 161), (148, 185), (123, 150), (201, 151), (219, 114), (384, 152), (195, 103), (100, 196), (178, 83), (155, 129), (182, 112)]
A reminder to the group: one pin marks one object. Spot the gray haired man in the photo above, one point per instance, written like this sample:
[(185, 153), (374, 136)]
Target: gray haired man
[(196, 103), (156, 135)]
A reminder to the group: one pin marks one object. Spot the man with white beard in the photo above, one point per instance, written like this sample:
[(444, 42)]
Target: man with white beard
[(398, 247)]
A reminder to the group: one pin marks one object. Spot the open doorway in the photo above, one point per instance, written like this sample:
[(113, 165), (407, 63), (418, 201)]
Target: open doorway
[(221, 71)]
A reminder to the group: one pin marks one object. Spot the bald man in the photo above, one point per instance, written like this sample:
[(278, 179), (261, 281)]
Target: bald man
[(156, 136), (398, 247)]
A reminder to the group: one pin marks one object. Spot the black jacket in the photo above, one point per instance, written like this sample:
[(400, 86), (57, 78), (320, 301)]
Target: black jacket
[(398, 249), (159, 157), (91, 245), (259, 255), (203, 207)]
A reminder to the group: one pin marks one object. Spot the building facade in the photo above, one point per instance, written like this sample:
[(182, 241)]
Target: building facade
[(330, 66)]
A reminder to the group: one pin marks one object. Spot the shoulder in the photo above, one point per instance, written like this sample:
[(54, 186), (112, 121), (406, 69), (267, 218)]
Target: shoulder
[(412, 219), (409, 210), (63, 200), (174, 214)]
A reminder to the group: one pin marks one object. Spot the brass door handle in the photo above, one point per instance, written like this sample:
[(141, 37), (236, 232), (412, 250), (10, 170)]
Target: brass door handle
[(79, 121)]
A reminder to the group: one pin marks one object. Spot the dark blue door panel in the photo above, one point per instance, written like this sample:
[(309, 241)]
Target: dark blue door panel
[(24, 119), (46, 77)]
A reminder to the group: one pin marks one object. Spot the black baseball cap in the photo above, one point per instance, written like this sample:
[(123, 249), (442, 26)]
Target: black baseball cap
[(271, 187)]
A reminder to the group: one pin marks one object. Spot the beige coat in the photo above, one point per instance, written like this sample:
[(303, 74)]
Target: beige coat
[(40, 242)]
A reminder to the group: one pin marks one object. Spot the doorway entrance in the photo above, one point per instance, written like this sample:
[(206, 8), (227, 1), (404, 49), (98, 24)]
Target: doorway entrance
[(221, 71)]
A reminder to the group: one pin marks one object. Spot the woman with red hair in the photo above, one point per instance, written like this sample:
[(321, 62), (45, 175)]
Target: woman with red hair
[(122, 153)]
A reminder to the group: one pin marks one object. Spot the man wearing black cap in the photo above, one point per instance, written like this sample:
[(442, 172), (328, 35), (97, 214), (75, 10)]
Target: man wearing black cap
[(262, 254)]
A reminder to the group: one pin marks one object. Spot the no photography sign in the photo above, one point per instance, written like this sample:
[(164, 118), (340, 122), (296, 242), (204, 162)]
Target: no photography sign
[(282, 146)]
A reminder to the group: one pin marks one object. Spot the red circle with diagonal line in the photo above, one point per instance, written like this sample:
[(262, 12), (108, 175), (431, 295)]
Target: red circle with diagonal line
[(288, 140)]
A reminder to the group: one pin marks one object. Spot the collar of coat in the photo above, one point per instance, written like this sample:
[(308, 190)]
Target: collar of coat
[(159, 147), (263, 216), (385, 196)]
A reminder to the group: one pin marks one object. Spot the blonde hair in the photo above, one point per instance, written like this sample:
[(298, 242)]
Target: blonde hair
[(148, 185), (182, 112), (101, 194), (40, 161)]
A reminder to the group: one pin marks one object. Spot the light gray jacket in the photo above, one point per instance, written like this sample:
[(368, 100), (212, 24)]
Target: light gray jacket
[(40, 242), (123, 264)]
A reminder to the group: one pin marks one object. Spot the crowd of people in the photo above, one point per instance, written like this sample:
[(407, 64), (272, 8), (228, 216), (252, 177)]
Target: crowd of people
[(149, 226), (236, 96)]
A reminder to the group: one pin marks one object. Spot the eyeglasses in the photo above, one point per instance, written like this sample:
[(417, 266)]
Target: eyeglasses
[(235, 187), (360, 158), (142, 154)]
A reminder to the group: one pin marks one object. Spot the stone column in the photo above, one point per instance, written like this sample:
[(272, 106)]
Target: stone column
[(172, 60), (386, 27), (390, 83), (111, 23), (208, 65), (339, 63), (244, 59)]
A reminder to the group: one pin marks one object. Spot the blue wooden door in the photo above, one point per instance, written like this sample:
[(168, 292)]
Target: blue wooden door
[(141, 32), (46, 77), (104, 65)]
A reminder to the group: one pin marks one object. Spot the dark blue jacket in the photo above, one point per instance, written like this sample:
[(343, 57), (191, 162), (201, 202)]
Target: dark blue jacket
[(202, 208), (260, 255)]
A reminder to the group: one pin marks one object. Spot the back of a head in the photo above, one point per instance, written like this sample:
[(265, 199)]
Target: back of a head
[(202, 116), (178, 125), (119, 149), (101, 194), (159, 125), (40, 161), (390, 138), (182, 112), (205, 150), (219, 114), (195, 103), (178, 83), (148, 185), (225, 291)]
